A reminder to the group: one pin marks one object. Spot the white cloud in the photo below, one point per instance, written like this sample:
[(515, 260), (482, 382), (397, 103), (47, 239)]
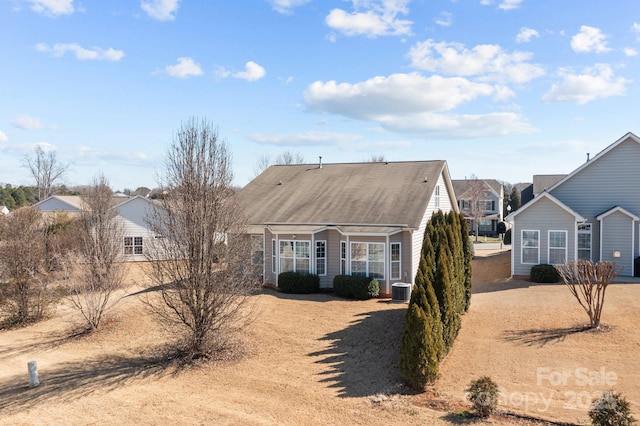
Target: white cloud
[(504, 5), (95, 53), (52, 8), (396, 94), (27, 122), (594, 83), (162, 10), (487, 61), (185, 67), (526, 34), (3, 137), (305, 139), (589, 39), (371, 18), (412, 103), (252, 72), (630, 52), (286, 6), (445, 19), (635, 27), (510, 4)]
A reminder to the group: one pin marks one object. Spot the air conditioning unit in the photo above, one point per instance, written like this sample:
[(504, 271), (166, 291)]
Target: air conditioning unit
[(401, 292)]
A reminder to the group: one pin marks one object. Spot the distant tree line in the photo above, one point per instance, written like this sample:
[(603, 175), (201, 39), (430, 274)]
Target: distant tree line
[(441, 294)]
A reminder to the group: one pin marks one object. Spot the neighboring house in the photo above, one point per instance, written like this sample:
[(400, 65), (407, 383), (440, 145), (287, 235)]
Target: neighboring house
[(540, 184), (363, 219), (480, 199), (590, 214), (4, 210), (131, 212)]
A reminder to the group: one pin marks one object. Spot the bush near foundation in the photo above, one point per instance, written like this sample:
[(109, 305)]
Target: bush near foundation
[(359, 288), (297, 283), (544, 273)]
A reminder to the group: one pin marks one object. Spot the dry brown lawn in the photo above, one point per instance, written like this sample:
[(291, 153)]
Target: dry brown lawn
[(321, 360)]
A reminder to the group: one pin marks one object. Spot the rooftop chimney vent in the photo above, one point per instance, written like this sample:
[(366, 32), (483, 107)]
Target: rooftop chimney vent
[(320, 162)]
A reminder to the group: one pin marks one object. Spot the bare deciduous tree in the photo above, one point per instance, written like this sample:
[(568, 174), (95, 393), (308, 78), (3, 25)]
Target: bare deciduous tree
[(97, 271), (475, 194), (24, 277), (376, 158), (205, 276), (285, 158), (46, 169), (588, 282)]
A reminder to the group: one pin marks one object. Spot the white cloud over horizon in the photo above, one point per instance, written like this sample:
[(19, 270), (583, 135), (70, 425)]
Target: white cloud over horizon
[(27, 122), (593, 83), (52, 8), (304, 138), (486, 61), (161, 10), (186, 67), (252, 72), (589, 39), (94, 54), (504, 5), (371, 18), (526, 34), (286, 6), (444, 19), (3, 137)]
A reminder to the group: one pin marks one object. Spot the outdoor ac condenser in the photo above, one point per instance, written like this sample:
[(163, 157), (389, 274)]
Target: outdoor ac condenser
[(401, 292)]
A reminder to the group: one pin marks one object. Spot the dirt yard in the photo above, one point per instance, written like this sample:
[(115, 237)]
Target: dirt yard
[(321, 360)]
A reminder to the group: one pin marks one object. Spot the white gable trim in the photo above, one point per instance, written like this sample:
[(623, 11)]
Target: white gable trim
[(627, 136), (578, 216), (618, 209)]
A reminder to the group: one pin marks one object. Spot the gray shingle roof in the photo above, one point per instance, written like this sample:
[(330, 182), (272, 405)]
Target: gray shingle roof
[(383, 193)]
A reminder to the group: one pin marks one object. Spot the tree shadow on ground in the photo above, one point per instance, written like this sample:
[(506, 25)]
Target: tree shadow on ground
[(70, 380), (362, 359), (541, 336)]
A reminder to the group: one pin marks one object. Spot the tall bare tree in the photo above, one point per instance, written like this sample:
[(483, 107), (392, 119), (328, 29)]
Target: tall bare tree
[(98, 271), (588, 281), (24, 276), (205, 276), (284, 158), (475, 194), (46, 170)]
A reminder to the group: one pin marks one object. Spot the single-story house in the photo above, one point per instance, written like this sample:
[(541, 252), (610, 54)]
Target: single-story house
[(481, 200), (593, 213), (364, 219), (131, 212)]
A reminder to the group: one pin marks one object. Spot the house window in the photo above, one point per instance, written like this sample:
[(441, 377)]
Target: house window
[(321, 257), (343, 257), (557, 247), (294, 256), (584, 241), (274, 257), (486, 205), (132, 245), (485, 225), (395, 261), (464, 205), (531, 247), (367, 260), (257, 250), (437, 197)]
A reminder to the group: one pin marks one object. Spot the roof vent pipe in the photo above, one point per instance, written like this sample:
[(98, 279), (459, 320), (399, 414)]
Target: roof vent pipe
[(320, 162), (587, 157)]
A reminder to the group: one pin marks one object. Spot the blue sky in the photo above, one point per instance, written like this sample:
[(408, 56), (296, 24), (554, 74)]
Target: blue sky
[(500, 89)]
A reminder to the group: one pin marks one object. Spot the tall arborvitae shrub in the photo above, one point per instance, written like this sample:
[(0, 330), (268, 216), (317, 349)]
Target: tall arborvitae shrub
[(425, 297), (467, 256), (418, 357)]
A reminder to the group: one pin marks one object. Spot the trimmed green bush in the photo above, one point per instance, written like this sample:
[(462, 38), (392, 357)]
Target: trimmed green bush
[(544, 273), (360, 288), (483, 395), (611, 409), (297, 283), (418, 356)]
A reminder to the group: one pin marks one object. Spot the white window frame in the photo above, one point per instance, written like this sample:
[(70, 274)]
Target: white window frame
[(367, 260), (587, 228), (550, 248), (523, 247), (295, 258), (437, 195), (393, 262), (133, 246), (274, 256), (321, 260), (343, 257)]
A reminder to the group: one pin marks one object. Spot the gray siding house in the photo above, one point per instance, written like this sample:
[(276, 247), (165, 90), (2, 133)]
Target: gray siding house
[(592, 213), (363, 219), (481, 199)]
